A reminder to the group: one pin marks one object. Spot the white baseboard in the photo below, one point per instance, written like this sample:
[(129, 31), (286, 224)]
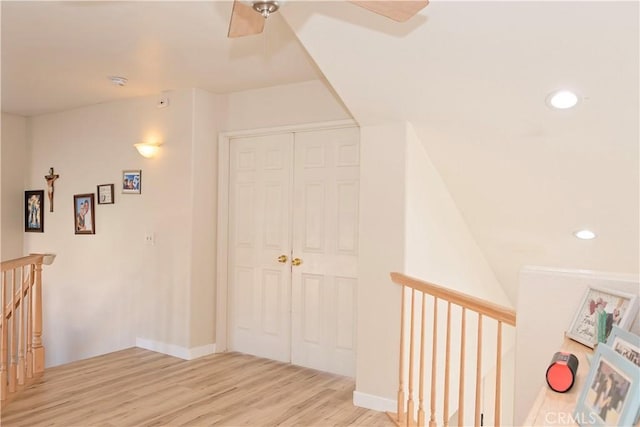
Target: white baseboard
[(176, 350), (376, 403)]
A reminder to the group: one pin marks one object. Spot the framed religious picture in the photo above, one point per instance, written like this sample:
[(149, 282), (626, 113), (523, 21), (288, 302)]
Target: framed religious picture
[(34, 211), (132, 181), (83, 214), (105, 194), (599, 310)]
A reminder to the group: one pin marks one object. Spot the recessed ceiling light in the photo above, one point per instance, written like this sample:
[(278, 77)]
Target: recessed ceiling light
[(562, 99), (585, 234), (118, 81)]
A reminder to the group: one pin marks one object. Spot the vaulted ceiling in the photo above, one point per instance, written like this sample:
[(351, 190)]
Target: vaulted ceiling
[(472, 78)]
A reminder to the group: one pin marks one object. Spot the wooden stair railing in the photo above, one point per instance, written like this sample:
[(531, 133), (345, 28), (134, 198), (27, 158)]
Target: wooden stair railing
[(417, 330), (21, 350)]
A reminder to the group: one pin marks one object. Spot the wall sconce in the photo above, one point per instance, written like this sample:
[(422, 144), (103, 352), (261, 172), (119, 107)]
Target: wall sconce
[(147, 149)]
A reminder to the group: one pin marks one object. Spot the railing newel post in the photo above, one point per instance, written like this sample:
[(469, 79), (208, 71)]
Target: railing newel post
[(37, 348)]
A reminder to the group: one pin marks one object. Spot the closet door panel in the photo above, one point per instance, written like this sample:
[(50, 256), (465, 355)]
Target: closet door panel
[(260, 185), (325, 238)]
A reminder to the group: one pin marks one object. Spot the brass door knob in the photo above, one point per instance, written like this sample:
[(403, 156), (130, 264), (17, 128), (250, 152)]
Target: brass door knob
[(282, 259), (296, 261)]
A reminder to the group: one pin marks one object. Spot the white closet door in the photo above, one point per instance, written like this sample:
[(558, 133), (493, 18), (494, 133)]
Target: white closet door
[(325, 239), (259, 232)]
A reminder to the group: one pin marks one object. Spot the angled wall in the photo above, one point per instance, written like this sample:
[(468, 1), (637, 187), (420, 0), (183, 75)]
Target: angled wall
[(410, 224)]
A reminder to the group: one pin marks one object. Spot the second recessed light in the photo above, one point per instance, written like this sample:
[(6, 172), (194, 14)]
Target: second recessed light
[(562, 99), (585, 234)]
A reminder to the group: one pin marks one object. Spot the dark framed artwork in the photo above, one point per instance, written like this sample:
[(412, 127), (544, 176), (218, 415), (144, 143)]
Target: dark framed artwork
[(132, 181), (105, 194), (83, 214), (34, 211)]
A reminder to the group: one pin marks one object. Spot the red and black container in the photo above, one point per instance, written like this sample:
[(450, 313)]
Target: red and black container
[(562, 371)]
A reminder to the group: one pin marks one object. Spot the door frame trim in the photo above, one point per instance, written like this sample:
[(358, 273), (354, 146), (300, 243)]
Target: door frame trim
[(222, 259)]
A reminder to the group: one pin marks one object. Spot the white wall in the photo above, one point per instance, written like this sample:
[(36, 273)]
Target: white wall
[(440, 249), (110, 290), (409, 223), (13, 170), (106, 290), (382, 246), (547, 301), (210, 116), (300, 103), (439, 245)]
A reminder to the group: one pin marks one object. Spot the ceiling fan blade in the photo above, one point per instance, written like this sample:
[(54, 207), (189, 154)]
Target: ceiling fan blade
[(244, 21), (398, 10)]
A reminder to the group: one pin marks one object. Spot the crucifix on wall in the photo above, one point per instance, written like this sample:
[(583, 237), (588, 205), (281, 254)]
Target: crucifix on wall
[(50, 180)]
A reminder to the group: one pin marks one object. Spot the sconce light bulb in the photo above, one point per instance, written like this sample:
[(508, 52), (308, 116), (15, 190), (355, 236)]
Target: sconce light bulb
[(146, 149)]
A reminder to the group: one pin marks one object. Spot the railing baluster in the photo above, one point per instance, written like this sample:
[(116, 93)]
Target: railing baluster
[(21, 331), (462, 351), (5, 335), (446, 367), (498, 375), (434, 358), (12, 330), (29, 325), (478, 370), (400, 413), (422, 327), (410, 399), (421, 392)]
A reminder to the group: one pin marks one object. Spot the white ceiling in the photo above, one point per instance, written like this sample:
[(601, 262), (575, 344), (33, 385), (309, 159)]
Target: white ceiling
[(58, 55), (471, 77)]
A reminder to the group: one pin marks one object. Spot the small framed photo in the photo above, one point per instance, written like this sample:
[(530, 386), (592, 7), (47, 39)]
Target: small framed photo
[(626, 344), (604, 307), (105, 194), (34, 211), (131, 181), (83, 209), (611, 394)]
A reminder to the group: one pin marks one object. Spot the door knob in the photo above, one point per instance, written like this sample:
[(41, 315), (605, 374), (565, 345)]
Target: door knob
[(282, 259), (296, 261)]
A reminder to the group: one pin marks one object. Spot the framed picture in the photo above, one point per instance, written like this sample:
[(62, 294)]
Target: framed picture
[(605, 307), (131, 181), (34, 211), (626, 344), (611, 394), (105, 194), (83, 217)]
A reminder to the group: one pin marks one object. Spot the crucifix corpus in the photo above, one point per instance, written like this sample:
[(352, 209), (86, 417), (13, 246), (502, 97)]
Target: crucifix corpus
[(50, 180)]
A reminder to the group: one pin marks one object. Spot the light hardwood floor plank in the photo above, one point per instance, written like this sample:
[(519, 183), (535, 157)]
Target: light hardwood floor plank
[(137, 387)]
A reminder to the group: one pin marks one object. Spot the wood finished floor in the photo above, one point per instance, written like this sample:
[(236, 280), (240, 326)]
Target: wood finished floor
[(137, 387)]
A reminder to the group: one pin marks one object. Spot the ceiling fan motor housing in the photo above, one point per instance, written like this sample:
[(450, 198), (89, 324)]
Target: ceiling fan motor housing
[(265, 7)]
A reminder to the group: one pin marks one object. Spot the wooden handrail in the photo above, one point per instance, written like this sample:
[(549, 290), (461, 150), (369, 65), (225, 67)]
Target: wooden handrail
[(486, 308), (22, 262), (485, 311)]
